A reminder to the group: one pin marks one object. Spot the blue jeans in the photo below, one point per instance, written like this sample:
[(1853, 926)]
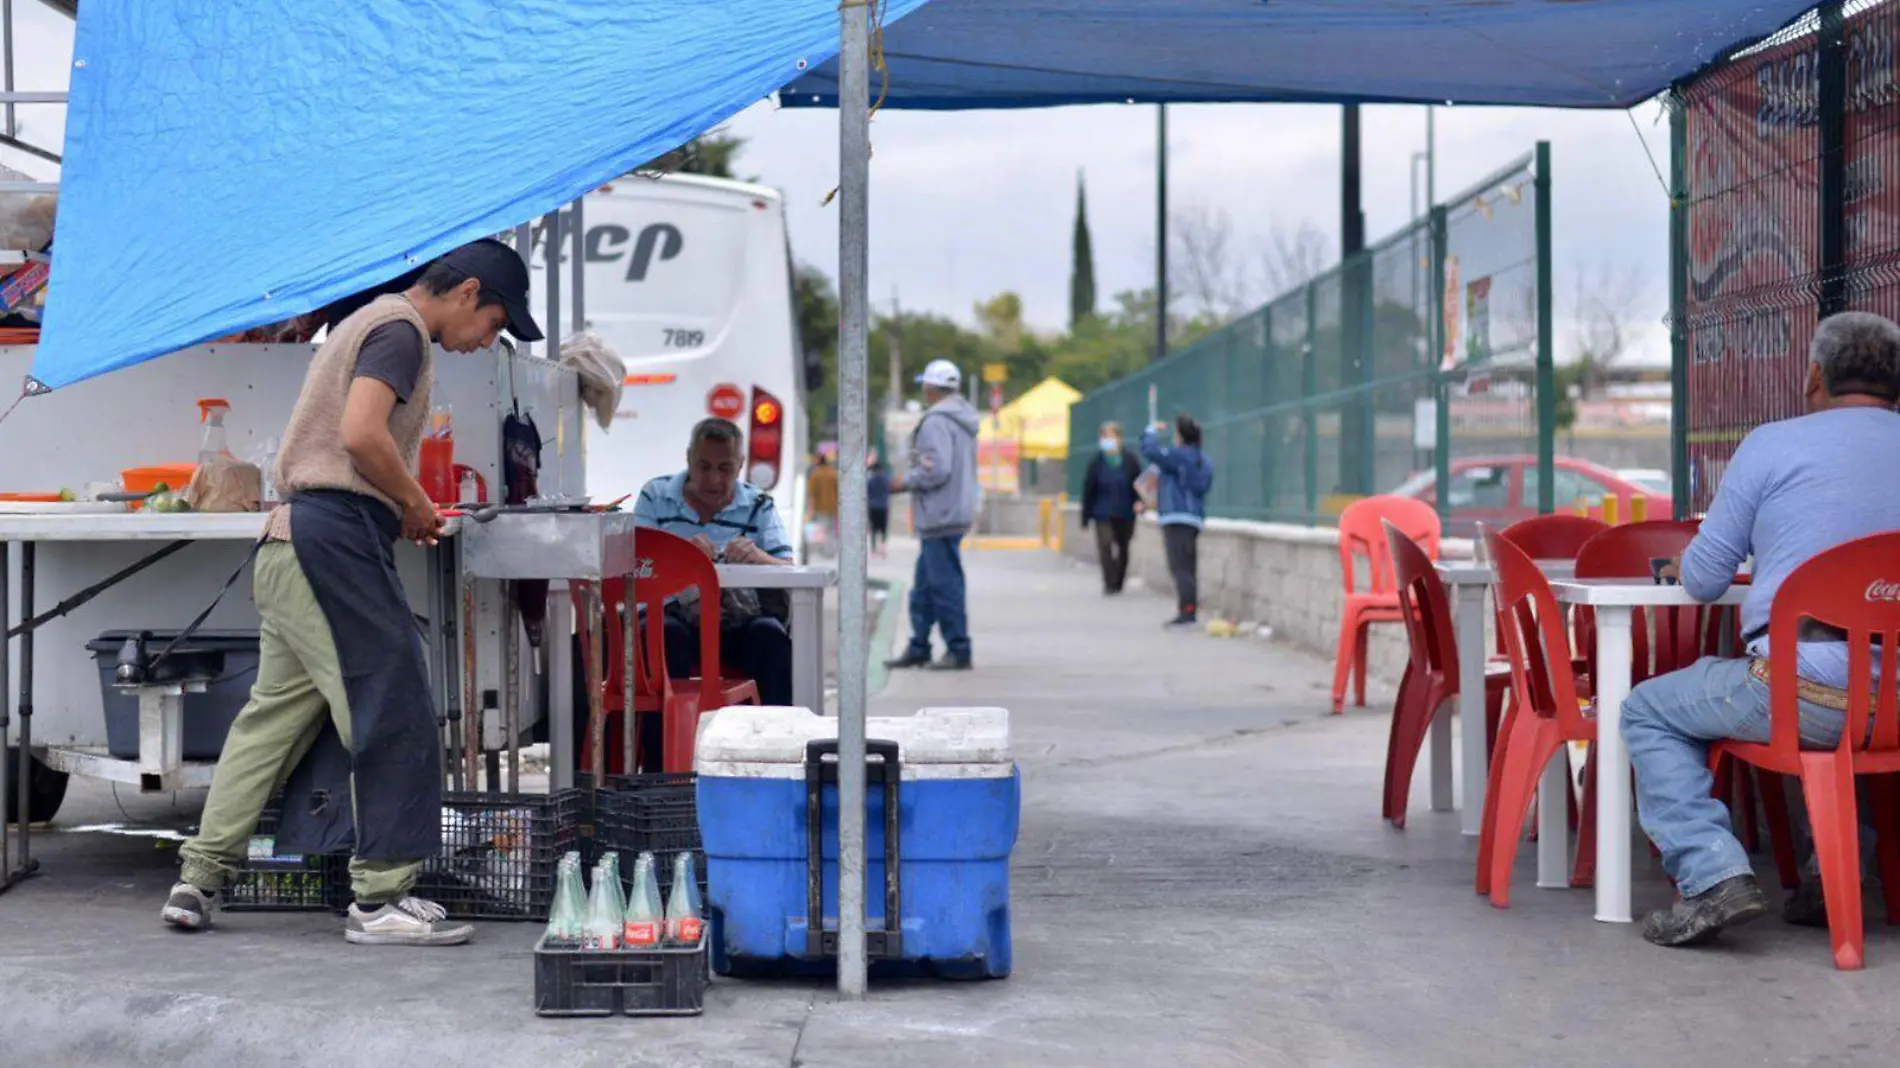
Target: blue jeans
[(1668, 724), (936, 597)]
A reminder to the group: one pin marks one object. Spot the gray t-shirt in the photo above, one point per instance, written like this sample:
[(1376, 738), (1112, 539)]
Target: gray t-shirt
[(392, 355)]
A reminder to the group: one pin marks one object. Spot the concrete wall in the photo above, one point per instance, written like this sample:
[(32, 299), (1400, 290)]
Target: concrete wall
[(1285, 576)]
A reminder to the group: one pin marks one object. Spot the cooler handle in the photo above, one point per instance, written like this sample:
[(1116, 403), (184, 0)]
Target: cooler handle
[(889, 942)]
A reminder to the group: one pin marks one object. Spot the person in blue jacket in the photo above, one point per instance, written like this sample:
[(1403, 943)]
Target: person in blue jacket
[(1181, 505)]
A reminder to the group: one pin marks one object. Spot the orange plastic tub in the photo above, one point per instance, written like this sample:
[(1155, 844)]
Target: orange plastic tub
[(146, 479)]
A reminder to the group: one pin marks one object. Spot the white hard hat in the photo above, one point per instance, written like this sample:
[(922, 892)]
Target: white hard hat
[(941, 374)]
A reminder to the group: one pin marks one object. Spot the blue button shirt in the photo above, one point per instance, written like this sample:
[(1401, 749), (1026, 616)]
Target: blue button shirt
[(751, 513)]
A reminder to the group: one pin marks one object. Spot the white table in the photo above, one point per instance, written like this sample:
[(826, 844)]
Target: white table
[(1613, 600), (805, 584), (1469, 579)]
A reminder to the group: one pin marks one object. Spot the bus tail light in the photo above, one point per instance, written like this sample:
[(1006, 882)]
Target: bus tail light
[(766, 441)]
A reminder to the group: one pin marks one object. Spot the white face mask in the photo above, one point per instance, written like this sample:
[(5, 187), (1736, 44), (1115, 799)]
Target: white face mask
[(1110, 445)]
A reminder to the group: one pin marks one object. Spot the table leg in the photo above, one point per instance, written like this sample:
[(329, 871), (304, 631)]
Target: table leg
[(1553, 824), (808, 648), (1477, 761), (629, 646), (27, 554), (438, 651), (1613, 765), (560, 640), (473, 710), (1441, 759)]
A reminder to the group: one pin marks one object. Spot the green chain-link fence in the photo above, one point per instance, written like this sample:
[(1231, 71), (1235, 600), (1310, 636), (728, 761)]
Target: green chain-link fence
[(1418, 363)]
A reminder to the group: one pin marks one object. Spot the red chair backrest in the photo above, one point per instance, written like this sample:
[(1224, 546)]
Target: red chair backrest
[(1553, 537), (1534, 638), (1856, 588), (1625, 552), (669, 566), (1426, 609), (1362, 533)]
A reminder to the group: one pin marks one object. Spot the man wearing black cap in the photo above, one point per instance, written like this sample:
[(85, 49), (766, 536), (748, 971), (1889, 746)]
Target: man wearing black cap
[(341, 705)]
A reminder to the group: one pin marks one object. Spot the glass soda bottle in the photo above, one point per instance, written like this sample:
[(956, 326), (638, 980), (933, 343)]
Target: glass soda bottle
[(610, 864), (645, 918), (603, 920), (684, 925), (565, 912)]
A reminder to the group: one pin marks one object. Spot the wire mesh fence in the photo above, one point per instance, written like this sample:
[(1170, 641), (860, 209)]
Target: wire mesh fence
[(1413, 362)]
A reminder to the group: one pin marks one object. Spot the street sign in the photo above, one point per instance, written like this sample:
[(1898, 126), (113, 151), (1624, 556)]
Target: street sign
[(725, 401), (995, 373)]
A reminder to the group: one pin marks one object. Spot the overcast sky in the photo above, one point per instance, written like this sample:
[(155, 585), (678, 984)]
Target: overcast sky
[(966, 205)]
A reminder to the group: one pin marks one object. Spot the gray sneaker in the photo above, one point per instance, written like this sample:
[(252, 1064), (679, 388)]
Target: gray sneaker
[(409, 922), (187, 908)]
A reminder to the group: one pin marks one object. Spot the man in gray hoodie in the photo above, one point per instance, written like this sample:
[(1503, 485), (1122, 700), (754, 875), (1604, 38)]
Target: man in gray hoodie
[(943, 488)]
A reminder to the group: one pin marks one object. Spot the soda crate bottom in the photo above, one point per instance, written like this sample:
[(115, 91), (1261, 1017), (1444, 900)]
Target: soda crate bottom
[(663, 981)]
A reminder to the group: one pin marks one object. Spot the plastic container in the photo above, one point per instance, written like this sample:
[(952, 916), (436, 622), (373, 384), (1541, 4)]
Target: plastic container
[(146, 479), (651, 813), (656, 981), (228, 659), (500, 853), (946, 822), (269, 881)]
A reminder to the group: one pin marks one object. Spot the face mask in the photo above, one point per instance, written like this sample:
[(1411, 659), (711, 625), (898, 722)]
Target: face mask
[(1110, 445)]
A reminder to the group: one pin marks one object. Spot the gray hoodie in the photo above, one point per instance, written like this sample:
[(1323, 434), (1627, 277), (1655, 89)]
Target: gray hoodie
[(942, 476)]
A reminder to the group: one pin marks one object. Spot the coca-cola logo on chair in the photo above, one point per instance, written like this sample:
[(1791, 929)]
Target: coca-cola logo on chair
[(1883, 590)]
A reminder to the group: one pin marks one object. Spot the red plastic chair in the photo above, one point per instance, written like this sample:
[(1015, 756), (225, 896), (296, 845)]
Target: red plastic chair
[(670, 566), (1431, 676), (1545, 711), (1553, 537), (1362, 535), (1852, 587)]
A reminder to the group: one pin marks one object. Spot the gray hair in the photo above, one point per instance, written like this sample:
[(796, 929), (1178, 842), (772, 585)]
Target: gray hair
[(1858, 352)]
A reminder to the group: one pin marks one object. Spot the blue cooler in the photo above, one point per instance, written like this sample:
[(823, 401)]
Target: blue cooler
[(943, 800)]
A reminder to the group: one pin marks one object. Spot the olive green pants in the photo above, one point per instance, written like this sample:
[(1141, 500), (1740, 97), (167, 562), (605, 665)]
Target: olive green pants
[(299, 685)]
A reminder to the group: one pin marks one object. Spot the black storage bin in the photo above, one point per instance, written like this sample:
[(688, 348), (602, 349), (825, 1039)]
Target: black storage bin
[(661, 981), (655, 813), (226, 660), (499, 853)]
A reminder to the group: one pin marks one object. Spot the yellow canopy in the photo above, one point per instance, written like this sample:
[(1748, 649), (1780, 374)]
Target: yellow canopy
[(1038, 421)]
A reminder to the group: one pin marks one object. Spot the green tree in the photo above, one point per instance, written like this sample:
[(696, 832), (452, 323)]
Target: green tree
[(712, 155), (1082, 262)]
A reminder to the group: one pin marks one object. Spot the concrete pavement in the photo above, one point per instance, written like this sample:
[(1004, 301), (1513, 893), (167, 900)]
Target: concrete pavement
[(1202, 880)]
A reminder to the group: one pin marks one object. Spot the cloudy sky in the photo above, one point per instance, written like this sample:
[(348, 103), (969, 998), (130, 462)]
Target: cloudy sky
[(966, 205)]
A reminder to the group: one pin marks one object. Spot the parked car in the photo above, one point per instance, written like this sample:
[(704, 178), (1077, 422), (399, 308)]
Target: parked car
[(1653, 479), (1500, 490)]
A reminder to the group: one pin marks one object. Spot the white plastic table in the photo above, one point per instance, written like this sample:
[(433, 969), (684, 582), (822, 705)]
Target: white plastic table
[(1613, 600), (1469, 580), (805, 586)]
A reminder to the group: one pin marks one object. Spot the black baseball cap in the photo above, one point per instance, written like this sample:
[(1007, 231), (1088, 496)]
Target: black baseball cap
[(501, 272)]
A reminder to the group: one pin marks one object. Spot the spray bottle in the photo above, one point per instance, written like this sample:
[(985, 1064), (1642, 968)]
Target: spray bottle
[(211, 412)]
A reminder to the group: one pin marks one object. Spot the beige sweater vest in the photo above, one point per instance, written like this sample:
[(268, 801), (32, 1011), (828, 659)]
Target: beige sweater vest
[(312, 456)]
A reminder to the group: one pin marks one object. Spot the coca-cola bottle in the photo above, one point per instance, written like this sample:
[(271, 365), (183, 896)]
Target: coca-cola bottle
[(567, 912), (645, 917), (603, 919), (684, 924), (610, 864)]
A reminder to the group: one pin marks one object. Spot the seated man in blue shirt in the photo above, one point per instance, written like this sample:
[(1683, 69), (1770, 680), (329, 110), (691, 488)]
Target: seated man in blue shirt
[(1794, 489), (734, 522)]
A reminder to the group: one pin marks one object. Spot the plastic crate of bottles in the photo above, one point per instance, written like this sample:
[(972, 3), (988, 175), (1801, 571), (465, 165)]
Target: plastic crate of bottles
[(654, 981), (269, 881), (499, 853), (620, 946)]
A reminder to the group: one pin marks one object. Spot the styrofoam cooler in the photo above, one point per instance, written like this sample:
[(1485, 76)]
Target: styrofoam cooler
[(958, 805)]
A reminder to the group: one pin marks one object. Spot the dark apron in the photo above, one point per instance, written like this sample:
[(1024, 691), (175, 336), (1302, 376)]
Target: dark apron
[(345, 544)]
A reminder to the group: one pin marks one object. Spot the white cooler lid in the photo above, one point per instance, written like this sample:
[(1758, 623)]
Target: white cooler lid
[(764, 734)]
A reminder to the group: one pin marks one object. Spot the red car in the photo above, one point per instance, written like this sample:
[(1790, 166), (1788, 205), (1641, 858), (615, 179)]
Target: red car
[(1500, 490)]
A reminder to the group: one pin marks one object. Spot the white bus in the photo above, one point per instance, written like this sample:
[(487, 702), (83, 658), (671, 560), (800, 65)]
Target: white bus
[(689, 280)]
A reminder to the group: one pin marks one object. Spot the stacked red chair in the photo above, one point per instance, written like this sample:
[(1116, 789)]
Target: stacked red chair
[(1362, 537)]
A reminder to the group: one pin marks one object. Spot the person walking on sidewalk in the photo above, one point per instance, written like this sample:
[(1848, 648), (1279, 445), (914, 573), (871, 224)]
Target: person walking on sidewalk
[(943, 490), (1186, 477), (821, 503), (1110, 502), (341, 701), (877, 501)]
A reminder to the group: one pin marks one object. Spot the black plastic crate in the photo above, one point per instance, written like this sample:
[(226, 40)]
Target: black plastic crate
[(651, 813), (272, 882), (662, 981), (499, 853)]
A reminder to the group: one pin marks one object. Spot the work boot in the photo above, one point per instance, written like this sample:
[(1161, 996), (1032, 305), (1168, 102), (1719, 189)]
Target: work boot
[(909, 660), (951, 662), (188, 908), (1181, 622), (1693, 921), (409, 922), (1805, 906)]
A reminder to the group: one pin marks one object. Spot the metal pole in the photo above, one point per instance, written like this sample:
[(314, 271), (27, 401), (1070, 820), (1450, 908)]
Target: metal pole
[(1431, 156), (578, 225), (6, 29), (552, 254), (1441, 433), (28, 552), (1678, 307), (854, 220), (6, 652), (524, 244), (1161, 232), (1832, 91), (1546, 371)]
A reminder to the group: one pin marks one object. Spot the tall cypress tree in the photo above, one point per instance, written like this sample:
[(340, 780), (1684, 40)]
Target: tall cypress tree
[(1082, 265)]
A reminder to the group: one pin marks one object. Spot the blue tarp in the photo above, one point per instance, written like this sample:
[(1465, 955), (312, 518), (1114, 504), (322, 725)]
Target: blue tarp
[(1558, 53), (234, 164)]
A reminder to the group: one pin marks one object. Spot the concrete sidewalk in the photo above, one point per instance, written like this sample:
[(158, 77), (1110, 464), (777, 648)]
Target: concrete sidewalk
[(1202, 880)]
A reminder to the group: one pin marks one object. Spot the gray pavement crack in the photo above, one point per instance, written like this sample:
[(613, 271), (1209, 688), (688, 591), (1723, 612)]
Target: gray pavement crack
[(799, 1043)]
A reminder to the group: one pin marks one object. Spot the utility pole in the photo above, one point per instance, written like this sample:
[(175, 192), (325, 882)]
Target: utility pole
[(1161, 231)]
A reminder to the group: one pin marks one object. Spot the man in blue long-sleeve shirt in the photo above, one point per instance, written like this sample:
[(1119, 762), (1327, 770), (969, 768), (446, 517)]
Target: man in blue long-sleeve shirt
[(1794, 489), (1186, 477)]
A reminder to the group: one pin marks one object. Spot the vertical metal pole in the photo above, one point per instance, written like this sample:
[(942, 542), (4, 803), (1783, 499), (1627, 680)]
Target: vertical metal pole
[(1546, 376), (6, 28), (1356, 411), (1309, 385), (578, 224), (524, 244), (6, 653), (1161, 232), (1441, 434), (1679, 306), (1832, 91), (552, 252), (27, 568), (854, 220), (1431, 156)]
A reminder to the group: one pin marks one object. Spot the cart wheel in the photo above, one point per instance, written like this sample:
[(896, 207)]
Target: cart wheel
[(45, 789)]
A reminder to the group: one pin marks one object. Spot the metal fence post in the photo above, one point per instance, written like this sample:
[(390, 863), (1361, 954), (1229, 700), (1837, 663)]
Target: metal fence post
[(1679, 305), (1832, 91), (1546, 376), (1309, 384), (1441, 379)]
